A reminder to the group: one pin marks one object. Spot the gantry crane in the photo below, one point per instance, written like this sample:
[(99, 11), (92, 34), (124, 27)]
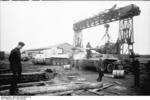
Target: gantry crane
[(125, 17), (126, 34)]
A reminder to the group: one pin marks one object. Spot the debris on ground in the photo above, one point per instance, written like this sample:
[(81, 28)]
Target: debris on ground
[(117, 82), (57, 76), (109, 75), (120, 88)]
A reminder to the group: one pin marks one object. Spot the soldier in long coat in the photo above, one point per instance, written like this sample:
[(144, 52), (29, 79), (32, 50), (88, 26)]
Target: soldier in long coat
[(16, 67)]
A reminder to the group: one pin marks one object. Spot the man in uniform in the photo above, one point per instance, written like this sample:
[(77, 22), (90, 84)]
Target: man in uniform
[(100, 75), (136, 72), (100, 70), (16, 67), (88, 47), (136, 68)]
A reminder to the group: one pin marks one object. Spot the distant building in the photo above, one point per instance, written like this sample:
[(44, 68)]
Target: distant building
[(64, 48), (2, 55)]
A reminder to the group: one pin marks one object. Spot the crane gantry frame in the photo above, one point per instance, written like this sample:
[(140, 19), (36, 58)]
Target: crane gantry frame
[(125, 17)]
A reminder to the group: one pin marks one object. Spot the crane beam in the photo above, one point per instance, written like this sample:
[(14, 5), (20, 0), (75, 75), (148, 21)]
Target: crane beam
[(107, 16)]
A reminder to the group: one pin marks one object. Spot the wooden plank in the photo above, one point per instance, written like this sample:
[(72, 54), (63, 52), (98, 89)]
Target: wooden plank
[(104, 87), (31, 73), (117, 82), (107, 75), (59, 88), (97, 93), (94, 91), (26, 77), (5, 87), (113, 92), (79, 82), (58, 93)]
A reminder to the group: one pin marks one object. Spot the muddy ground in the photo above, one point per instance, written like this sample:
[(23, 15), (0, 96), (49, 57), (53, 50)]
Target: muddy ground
[(122, 86)]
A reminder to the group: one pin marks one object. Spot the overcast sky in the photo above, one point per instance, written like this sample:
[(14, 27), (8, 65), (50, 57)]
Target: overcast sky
[(45, 23)]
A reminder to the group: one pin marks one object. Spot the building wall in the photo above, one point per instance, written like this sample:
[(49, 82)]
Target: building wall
[(64, 48)]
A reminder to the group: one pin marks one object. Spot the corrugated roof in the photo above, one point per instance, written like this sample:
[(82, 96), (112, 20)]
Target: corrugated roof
[(48, 47)]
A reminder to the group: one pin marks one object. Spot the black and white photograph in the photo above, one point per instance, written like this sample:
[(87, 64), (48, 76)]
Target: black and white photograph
[(74, 48)]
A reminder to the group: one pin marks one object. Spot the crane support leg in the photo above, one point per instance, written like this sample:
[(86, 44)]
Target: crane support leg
[(126, 35), (78, 39)]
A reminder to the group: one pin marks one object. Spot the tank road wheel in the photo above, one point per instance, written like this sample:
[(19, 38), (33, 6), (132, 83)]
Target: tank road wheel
[(54, 62), (110, 68), (79, 65), (76, 65), (120, 66), (72, 64)]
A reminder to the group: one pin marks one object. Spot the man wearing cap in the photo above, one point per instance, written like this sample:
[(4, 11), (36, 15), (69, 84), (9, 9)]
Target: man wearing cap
[(16, 67)]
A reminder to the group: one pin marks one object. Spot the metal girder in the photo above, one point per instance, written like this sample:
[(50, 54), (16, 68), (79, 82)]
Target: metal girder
[(78, 39), (110, 15), (107, 16), (126, 35)]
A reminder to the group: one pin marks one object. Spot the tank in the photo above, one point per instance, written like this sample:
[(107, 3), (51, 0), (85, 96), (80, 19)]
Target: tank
[(51, 57), (106, 62)]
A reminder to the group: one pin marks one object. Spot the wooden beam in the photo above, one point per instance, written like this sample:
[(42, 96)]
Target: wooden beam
[(60, 88)]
